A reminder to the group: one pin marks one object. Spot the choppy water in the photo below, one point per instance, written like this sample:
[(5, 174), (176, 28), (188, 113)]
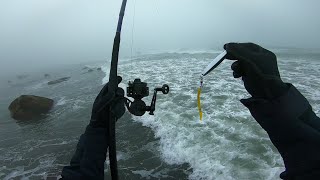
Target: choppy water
[(173, 144)]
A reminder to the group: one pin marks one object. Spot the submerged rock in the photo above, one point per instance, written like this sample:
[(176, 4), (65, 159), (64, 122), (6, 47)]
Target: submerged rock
[(27, 107), (58, 80), (90, 70), (46, 75), (99, 69)]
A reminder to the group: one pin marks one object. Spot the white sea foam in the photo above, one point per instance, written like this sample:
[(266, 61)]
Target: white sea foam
[(228, 144), (105, 68), (151, 174), (33, 167), (20, 171), (120, 156), (78, 104), (61, 101)]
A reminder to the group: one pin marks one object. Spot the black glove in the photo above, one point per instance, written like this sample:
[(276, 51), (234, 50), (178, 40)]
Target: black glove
[(290, 122), (258, 69), (101, 106)]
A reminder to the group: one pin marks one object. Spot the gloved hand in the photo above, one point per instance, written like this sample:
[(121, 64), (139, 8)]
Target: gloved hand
[(279, 108), (101, 106), (258, 69)]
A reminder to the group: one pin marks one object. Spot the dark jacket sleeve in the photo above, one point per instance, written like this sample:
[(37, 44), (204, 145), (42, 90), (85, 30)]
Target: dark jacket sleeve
[(294, 129), (89, 158)]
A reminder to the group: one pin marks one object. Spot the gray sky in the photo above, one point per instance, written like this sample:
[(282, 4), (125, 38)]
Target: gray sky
[(39, 33)]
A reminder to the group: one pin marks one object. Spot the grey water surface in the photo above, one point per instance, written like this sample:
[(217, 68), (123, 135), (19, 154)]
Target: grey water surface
[(173, 144)]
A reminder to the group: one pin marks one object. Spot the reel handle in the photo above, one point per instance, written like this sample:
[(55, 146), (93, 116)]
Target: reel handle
[(164, 89)]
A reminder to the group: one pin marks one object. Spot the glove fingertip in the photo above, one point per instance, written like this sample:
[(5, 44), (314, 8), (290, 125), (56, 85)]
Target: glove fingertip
[(119, 79), (120, 92), (225, 46), (236, 66), (230, 46)]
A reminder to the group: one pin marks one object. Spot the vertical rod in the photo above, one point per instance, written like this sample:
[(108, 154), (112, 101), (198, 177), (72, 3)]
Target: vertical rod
[(112, 87)]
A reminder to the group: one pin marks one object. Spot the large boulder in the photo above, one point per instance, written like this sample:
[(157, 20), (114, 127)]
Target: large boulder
[(27, 107), (58, 80)]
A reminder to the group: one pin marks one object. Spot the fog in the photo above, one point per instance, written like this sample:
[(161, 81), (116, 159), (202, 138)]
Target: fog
[(35, 34)]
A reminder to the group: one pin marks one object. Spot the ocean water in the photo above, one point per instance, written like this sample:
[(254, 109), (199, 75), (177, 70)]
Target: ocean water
[(173, 144)]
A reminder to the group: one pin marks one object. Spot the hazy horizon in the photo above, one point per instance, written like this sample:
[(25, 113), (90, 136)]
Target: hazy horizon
[(44, 33)]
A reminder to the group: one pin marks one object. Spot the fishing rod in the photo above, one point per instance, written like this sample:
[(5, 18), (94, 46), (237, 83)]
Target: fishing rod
[(136, 89), (112, 87)]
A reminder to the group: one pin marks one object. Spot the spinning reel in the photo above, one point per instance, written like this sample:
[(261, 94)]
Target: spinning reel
[(138, 90)]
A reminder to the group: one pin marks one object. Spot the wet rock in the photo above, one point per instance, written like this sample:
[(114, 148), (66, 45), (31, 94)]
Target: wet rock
[(27, 107), (58, 80)]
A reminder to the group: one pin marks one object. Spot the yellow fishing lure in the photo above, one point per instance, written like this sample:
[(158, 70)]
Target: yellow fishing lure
[(199, 104), (216, 61), (199, 98)]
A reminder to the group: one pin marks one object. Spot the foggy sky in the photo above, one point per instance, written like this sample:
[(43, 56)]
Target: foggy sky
[(39, 33)]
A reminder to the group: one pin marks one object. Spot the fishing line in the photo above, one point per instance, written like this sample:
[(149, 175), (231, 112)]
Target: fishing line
[(215, 63), (132, 33), (157, 10)]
